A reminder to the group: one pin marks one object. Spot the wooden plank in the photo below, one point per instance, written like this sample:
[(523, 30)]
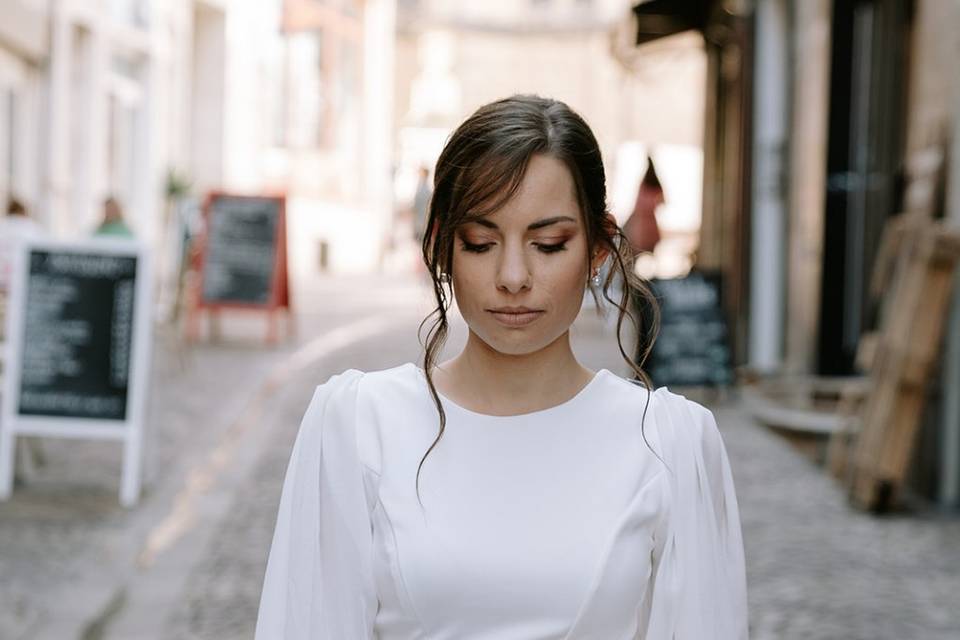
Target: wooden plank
[(839, 451), (906, 356)]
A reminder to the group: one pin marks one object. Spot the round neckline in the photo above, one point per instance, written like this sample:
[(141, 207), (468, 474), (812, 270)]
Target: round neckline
[(530, 414)]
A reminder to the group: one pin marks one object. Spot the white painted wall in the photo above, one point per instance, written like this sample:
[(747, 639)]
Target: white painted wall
[(769, 214), (207, 83), (133, 88), (19, 133)]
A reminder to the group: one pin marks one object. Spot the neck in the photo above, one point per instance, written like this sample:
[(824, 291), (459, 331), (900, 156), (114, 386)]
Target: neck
[(494, 382)]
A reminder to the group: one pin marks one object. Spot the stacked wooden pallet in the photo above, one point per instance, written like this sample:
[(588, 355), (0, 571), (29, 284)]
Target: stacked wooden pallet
[(904, 358)]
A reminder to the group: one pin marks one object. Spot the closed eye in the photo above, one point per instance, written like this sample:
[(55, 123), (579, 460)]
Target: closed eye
[(475, 248), (552, 248), (544, 248)]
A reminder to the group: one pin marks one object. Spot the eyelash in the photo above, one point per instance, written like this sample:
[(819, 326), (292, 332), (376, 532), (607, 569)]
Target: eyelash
[(482, 248)]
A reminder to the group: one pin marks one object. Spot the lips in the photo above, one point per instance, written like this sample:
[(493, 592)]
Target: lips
[(515, 316)]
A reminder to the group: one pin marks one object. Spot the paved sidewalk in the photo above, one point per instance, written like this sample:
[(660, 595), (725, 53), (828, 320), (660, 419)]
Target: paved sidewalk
[(817, 570)]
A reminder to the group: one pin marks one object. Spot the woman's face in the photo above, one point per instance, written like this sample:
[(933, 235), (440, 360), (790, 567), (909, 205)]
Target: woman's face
[(519, 273)]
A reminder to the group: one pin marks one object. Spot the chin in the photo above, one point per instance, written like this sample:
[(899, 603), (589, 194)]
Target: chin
[(517, 344), (514, 349)]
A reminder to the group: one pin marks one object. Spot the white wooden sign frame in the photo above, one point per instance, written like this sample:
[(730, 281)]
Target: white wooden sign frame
[(130, 430)]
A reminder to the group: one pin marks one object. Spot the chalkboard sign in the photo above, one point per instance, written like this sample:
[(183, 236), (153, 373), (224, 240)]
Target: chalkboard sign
[(77, 350), (692, 347), (77, 335), (242, 261), (240, 258)]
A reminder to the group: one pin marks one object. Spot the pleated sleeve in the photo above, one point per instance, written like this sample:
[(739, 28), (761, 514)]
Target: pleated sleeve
[(319, 582), (698, 589)]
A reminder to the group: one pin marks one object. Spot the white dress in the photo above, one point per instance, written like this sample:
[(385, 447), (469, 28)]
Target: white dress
[(565, 523)]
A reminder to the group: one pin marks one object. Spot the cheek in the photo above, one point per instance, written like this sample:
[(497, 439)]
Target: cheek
[(470, 277), (561, 283), (567, 284)]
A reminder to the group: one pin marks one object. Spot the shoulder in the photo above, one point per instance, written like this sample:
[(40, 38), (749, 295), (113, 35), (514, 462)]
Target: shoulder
[(354, 390), (686, 427), (390, 389), (631, 401), (354, 405), (619, 387), (333, 402), (677, 402), (336, 388), (363, 385), (674, 412)]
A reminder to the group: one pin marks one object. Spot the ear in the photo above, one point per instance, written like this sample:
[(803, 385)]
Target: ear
[(609, 226)]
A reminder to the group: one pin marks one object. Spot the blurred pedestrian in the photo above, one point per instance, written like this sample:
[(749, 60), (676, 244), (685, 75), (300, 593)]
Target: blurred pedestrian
[(508, 492), (15, 227), (113, 223), (641, 227)]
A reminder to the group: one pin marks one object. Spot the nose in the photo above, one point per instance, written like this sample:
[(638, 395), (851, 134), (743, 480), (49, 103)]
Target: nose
[(513, 272)]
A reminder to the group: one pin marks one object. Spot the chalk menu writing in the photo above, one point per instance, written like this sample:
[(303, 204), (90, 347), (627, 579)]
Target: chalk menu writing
[(692, 346), (77, 337), (241, 250)]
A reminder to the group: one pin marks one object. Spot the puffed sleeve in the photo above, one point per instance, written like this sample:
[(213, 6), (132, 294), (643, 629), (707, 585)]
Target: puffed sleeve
[(698, 589), (319, 580)]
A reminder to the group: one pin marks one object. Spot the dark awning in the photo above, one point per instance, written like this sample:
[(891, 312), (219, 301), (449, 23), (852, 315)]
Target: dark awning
[(660, 18)]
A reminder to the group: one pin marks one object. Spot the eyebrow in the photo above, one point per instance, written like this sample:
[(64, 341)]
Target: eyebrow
[(539, 224)]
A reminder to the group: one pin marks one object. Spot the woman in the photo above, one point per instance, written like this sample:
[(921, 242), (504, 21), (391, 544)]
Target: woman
[(509, 492), (641, 228)]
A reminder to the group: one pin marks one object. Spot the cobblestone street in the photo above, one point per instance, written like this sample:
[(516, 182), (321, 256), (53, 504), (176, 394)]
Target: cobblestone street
[(187, 562)]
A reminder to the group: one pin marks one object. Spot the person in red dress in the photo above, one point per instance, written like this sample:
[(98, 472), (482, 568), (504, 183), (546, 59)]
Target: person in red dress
[(641, 227)]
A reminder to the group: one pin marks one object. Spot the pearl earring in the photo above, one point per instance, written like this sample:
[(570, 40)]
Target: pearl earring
[(596, 278)]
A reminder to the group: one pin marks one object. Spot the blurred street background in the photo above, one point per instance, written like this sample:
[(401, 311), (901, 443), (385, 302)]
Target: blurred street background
[(807, 156)]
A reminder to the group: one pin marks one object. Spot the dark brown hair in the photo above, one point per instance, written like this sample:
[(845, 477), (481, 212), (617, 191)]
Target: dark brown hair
[(15, 207), (479, 170), (650, 177)]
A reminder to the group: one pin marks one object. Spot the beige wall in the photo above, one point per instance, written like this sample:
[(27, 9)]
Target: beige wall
[(23, 29), (526, 14), (934, 78), (808, 156), (654, 98), (660, 102), (934, 98)]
